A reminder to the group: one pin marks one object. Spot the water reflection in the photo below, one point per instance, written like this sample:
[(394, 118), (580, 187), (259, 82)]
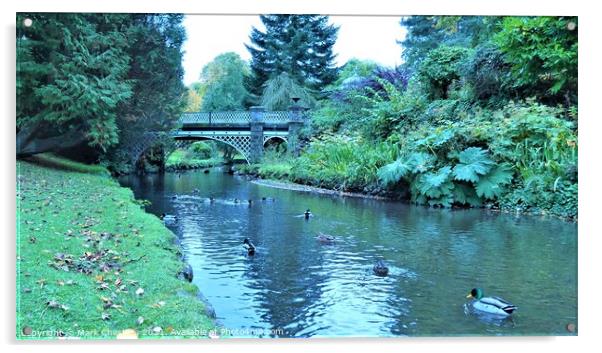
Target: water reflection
[(301, 287)]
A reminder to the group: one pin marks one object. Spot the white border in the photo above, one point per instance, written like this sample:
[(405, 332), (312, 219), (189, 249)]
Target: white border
[(589, 198)]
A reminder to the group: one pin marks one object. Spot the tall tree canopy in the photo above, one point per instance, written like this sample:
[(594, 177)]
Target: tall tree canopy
[(96, 78), (71, 76), (425, 33), (223, 81), (300, 45)]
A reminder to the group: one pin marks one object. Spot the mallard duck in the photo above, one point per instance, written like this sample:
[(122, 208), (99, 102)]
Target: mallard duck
[(167, 218), (380, 268), (307, 214), (491, 305), (249, 246), (325, 238)]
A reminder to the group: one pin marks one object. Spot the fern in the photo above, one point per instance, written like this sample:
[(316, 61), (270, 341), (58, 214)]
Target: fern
[(489, 186), (474, 162)]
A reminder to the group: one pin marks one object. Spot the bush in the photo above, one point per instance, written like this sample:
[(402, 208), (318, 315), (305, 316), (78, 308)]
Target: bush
[(441, 68), (201, 150)]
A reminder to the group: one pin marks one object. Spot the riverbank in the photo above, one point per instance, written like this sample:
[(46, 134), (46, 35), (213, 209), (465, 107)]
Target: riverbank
[(180, 160), (92, 264), (278, 176)]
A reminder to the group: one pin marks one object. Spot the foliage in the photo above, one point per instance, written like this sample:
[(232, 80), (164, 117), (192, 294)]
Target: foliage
[(97, 79), (186, 159), (487, 72), (71, 75), (474, 174), (300, 45), (542, 52), (426, 33), (280, 90), (223, 81), (342, 163), (201, 149), (394, 109), (441, 68)]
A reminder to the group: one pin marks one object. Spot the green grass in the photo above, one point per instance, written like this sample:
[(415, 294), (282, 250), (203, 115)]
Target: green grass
[(84, 248), (51, 160), (182, 159)]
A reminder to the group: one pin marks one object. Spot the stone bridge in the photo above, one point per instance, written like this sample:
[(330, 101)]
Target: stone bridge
[(246, 131)]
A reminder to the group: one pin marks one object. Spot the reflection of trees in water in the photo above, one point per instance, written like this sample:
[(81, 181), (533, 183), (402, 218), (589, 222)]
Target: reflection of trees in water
[(280, 272)]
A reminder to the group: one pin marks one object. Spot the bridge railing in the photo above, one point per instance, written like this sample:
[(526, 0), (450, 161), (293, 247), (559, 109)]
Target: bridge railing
[(233, 118)]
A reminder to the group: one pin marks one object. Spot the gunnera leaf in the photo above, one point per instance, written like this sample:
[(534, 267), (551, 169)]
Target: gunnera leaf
[(490, 186), (474, 162)]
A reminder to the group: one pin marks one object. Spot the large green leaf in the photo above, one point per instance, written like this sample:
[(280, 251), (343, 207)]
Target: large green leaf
[(434, 185), (393, 172), (465, 194), (420, 162), (490, 185), (474, 162)]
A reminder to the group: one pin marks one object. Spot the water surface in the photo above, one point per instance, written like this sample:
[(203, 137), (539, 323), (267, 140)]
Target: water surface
[(297, 287)]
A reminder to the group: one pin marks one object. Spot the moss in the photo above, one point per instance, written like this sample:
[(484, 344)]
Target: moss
[(84, 248)]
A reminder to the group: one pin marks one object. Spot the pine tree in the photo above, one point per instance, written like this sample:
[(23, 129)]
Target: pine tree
[(300, 45)]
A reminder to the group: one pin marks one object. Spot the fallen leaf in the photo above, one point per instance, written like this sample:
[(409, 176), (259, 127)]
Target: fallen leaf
[(127, 334)]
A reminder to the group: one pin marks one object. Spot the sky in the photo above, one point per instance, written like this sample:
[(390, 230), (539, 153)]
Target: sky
[(363, 37)]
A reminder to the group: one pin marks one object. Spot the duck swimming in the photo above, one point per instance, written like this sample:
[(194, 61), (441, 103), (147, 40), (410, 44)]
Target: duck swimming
[(380, 268), (490, 305), (249, 246), (307, 214), (325, 238), (166, 218)]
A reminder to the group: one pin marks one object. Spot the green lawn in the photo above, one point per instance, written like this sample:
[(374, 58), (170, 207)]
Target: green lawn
[(86, 252)]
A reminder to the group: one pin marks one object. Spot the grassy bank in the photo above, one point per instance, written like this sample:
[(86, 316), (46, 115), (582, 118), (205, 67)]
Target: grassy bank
[(91, 263), (183, 159)]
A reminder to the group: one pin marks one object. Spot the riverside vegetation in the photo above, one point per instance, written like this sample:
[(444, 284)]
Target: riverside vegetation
[(470, 120)]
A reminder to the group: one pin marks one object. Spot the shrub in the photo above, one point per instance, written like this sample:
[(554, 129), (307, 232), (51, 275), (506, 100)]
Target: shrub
[(441, 68), (201, 150)]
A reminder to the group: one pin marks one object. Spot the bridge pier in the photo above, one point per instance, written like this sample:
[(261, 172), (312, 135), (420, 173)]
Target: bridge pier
[(295, 125), (256, 127)]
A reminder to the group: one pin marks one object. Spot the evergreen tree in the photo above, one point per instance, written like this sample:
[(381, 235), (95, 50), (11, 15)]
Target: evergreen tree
[(71, 76), (300, 45), (425, 33)]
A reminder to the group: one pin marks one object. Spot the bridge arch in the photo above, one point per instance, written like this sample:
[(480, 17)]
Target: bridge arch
[(241, 144), (274, 138)]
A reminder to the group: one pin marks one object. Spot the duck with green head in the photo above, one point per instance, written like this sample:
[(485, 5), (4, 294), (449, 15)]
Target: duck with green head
[(490, 305)]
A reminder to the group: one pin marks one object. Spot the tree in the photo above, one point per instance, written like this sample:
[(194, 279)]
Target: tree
[(71, 77), (223, 81), (426, 33), (300, 45), (422, 36), (280, 90), (441, 68), (159, 96), (542, 52)]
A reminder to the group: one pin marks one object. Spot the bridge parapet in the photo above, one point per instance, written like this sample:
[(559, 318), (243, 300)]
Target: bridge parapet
[(235, 118)]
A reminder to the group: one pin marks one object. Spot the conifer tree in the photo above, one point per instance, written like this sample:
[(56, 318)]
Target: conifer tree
[(299, 45)]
